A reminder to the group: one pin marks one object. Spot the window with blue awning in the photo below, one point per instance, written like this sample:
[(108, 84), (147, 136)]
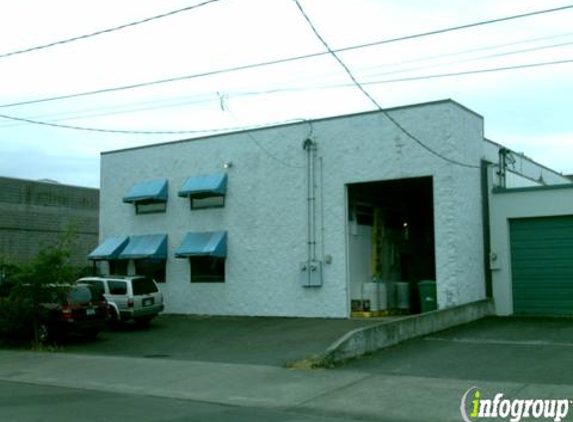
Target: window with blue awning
[(109, 249), (212, 244), (149, 196), (207, 252), (145, 247), (206, 191)]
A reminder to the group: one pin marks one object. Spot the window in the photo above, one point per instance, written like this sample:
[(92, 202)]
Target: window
[(148, 197), (152, 268), (150, 207), (207, 202), (143, 286), (118, 267), (96, 284), (207, 269), (206, 191), (117, 287)]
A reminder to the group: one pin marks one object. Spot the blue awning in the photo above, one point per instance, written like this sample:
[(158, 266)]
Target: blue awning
[(146, 246), (150, 191), (110, 248), (203, 244), (207, 185)]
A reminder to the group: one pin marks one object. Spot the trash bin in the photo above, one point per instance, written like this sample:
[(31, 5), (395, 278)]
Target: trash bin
[(427, 289)]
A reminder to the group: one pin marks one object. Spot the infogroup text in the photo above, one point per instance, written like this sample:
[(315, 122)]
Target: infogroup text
[(474, 407)]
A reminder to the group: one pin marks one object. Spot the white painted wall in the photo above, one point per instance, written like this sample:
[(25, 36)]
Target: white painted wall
[(518, 203), (265, 213)]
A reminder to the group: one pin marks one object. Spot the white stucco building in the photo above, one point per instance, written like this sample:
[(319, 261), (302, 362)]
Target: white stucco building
[(316, 218)]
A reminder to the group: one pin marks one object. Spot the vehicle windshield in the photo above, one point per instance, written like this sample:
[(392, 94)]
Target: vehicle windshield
[(143, 285)]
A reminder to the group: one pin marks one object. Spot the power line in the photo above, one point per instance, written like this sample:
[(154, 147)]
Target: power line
[(475, 50), (148, 132), (281, 61), (471, 59), (122, 109), (106, 31), (372, 100), (225, 107), (265, 92), (468, 72)]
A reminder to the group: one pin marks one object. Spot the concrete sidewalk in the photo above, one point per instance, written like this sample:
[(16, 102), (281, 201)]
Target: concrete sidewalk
[(345, 394)]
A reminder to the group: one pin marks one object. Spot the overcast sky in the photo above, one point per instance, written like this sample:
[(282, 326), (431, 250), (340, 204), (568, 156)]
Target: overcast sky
[(526, 109)]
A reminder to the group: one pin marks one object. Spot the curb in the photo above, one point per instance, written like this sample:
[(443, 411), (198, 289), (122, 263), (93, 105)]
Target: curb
[(369, 339)]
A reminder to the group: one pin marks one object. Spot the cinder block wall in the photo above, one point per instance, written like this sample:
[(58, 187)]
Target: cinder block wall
[(34, 214)]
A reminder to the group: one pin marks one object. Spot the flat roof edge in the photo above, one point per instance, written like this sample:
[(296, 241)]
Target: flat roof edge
[(525, 157), (498, 190), (295, 123)]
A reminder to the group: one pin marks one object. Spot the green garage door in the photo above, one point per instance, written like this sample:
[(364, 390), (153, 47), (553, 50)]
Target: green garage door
[(542, 265)]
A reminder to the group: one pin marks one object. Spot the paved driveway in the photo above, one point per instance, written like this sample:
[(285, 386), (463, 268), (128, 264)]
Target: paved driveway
[(247, 340), (523, 350)]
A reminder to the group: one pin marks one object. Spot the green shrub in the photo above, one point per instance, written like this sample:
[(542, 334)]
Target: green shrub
[(16, 321), (29, 287)]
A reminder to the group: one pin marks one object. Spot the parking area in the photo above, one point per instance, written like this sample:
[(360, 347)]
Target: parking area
[(244, 340), (521, 350)]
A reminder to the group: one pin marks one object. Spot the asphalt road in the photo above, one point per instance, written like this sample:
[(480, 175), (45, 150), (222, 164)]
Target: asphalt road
[(33, 403), (421, 380), (522, 350)]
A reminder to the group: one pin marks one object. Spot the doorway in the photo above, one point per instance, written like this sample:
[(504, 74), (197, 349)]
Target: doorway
[(390, 244)]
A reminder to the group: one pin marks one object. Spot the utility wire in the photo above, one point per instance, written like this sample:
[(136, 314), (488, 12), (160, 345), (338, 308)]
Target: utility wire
[(106, 31), (148, 132), (267, 92), (475, 50), (467, 60), (113, 110), (226, 108), (372, 100), (283, 60), (187, 101), (105, 111), (468, 72)]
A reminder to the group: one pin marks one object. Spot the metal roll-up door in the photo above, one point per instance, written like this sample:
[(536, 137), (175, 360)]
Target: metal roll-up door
[(542, 265)]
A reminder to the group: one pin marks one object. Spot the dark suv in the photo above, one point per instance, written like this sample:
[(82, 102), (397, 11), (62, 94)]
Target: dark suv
[(78, 309)]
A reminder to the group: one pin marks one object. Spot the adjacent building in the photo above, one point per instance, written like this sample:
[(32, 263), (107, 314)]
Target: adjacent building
[(322, 218), (34, 214)]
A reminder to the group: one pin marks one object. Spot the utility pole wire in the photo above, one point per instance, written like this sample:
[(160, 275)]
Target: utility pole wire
[(106, 31), (281, 61), (278, 90), (372, 100), (149, 132)]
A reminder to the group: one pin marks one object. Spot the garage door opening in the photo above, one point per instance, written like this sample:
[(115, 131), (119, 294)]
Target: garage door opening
[(390, 245)]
